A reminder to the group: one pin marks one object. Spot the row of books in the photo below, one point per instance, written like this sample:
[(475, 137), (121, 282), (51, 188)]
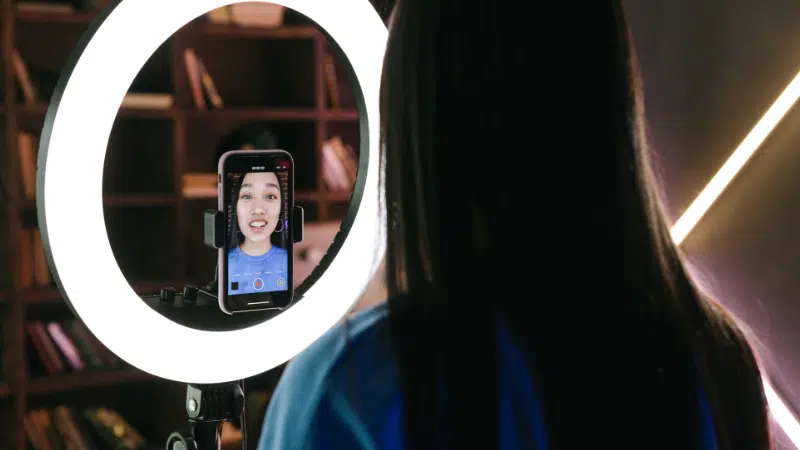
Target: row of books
[(68, 428), (204, 90), (340, 168), (64, 347), (33, 268)]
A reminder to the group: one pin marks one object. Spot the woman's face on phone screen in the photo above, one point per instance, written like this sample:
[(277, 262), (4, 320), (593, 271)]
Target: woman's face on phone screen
[(258, 207)]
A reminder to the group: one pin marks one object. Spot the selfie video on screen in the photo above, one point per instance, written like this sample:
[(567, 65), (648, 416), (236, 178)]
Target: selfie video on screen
[(258, 233)]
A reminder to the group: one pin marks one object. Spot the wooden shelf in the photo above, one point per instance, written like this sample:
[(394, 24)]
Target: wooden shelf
[(78, 18), (222, 30), (266, 114), (306, 196), (242, 114), (41, 109), (343, 115), (340, 197), (85, 380), (53, 295), (126, 200), (198, 28), (141, 113)]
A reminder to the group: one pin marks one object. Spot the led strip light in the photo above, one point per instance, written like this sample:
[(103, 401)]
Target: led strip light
[(780, 412)]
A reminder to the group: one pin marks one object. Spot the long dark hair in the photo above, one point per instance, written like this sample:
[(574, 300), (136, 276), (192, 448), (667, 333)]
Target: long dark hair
[(519, 191), (235, 236)]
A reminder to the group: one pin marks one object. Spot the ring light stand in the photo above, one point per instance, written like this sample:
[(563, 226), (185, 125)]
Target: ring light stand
[(210, 405)]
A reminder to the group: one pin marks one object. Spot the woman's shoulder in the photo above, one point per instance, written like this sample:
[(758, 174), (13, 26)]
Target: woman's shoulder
[(351, 360), (353, 335)]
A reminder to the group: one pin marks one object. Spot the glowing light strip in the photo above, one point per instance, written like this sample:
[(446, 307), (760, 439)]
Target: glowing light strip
[(736, 161), (782, 415), (780, 412)]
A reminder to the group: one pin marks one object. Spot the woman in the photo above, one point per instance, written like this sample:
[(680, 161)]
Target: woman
[(536, 299), (256, 261)]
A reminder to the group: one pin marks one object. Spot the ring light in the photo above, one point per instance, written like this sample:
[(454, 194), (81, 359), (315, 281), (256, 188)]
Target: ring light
[(70, 198)]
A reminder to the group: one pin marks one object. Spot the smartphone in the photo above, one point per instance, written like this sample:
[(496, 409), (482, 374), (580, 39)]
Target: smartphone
[(256, 198)]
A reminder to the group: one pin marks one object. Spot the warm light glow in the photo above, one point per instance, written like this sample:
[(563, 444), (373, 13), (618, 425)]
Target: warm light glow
[(736, 161), (780, 412)]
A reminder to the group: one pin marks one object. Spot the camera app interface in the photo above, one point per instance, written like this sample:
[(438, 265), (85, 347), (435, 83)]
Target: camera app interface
[(258, 260)]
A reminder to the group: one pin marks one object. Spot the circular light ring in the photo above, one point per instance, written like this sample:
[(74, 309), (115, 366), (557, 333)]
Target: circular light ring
[(70, 198)]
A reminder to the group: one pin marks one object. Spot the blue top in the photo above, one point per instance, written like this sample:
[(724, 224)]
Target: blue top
[(263, 273), (323, 403)]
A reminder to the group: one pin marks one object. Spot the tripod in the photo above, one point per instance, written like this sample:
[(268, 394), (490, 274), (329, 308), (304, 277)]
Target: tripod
[(208, 407)]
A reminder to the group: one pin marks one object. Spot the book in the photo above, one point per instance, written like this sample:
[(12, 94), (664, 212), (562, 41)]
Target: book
[(337, 82), (114, 429), (200, 81), (28, 152), (34, 270), (347, 156), (200, 185), (331, 81), (208, 84), (72, 432), (339, 165), (29, 90), (71, 428), (75, 331), (192, 65), (49, 357), (47, 434), (41, 270), (221, 15), (256, 14), (66, 346), (147, 100), (25, 252)]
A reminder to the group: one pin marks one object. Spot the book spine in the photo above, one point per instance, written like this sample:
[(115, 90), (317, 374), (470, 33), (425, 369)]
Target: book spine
[(66, 346), (84, 347), (47, 352)]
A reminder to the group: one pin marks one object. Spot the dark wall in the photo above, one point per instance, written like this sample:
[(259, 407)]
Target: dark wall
[(711, 69)]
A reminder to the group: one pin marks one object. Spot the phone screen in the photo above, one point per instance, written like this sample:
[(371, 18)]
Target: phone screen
[(258, 246)]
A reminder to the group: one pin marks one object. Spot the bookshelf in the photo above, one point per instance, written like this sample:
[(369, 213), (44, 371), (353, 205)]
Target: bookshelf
[(270, 78)]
